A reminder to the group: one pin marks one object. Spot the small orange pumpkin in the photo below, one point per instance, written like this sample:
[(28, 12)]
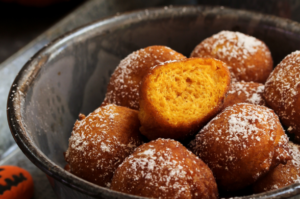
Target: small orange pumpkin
[(15, 183)]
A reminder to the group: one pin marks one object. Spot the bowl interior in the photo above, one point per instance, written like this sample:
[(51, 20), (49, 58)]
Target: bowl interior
[(70, 76)]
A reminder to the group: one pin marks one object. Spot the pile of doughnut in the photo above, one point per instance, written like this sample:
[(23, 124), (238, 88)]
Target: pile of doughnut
[(208, 126)]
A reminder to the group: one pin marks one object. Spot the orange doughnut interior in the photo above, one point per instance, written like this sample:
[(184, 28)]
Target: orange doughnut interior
[(187, 90)]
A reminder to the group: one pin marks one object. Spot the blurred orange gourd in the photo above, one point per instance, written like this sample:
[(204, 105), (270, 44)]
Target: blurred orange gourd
[(15, 183)]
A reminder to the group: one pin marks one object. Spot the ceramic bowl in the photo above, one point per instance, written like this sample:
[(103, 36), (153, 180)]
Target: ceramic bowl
[(70, 76)]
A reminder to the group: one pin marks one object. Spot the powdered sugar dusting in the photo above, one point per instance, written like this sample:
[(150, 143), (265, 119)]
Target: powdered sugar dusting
[(231, 139), (281, 88), (248, 92), (242, 124), (97, 147), (243, 45), (165, 167), (235, 49), (123, 88), (282, 175), (295, 153), (256, 97)]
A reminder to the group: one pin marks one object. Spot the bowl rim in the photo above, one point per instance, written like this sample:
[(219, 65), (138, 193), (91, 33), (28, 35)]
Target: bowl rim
[(26, 76)]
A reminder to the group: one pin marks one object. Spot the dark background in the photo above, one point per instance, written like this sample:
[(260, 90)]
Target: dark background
[(19, 24)]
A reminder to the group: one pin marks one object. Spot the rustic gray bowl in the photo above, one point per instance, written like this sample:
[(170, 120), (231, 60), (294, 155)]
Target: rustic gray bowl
[(70, 75)]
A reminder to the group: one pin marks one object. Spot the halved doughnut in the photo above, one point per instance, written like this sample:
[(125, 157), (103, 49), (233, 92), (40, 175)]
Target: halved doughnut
[(177, 98)]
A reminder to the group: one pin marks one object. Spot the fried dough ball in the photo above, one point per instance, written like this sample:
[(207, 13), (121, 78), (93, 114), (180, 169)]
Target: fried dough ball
[(282, 175), (282, 92), (248, 92), (241, 144), (247, 58), (123, 88), (101, 141), (177, 98), (165, 169)]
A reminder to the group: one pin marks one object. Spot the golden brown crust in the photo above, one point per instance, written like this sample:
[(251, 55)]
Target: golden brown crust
[(282, 92), (241, 144), (248, 58), (165, 169), (101, 141), (244, 92), (177, 98), (123, 87), (282, 175)]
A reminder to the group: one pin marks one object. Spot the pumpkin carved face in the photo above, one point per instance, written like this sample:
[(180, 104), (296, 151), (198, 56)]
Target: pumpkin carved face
[(15, 182)]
